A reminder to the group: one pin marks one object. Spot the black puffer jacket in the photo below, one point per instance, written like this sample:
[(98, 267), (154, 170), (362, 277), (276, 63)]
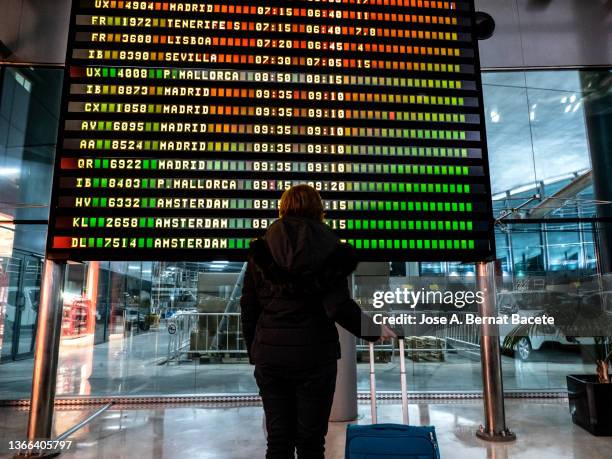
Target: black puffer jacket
[(295, 289)]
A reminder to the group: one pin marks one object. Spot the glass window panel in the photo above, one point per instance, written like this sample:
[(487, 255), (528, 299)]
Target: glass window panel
[(565, 250), (558, 127), (29, 106), (508, 138), (527, 250)]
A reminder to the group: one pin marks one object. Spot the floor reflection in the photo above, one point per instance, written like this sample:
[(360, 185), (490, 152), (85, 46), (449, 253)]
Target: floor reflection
[(543, 428)]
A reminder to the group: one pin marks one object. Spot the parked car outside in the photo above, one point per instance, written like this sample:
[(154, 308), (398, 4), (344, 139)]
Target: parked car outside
[(533, 303)]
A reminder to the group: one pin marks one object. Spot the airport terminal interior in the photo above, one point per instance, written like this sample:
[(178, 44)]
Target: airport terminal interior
[(162, 338)]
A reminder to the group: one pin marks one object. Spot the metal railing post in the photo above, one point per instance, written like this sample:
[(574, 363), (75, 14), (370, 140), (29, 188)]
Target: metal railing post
[(46, 351), (492, 384)]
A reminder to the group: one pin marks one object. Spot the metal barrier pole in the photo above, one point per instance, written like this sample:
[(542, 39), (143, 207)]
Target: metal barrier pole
[(493, 390), (46, 352), (84, 422)]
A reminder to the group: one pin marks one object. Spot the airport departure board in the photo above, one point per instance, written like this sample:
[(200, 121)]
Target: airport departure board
[(184, 121)]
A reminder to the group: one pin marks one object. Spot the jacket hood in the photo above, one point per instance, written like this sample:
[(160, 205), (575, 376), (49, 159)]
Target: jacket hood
[(302, 251), (298, 245)]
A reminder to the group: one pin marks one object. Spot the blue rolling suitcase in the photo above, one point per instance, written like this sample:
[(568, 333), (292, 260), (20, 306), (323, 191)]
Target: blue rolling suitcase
[(388, 441)]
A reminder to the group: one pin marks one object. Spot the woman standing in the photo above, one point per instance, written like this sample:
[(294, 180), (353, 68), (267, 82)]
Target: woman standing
[(295, 290)]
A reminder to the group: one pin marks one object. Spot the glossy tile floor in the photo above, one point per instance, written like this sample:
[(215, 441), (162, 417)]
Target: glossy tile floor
[(543, 428)]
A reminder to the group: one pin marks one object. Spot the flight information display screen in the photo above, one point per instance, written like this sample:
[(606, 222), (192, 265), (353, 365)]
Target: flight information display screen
[(183, 122)]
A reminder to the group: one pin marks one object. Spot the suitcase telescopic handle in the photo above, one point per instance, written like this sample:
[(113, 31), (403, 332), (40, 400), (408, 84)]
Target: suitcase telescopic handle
[(372, 385), (403, 385)]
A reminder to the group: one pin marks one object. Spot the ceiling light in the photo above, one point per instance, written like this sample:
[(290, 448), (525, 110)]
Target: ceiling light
[(495, 116)]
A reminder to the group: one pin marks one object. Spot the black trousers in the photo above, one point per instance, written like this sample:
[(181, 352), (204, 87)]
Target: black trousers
[(297, 404)]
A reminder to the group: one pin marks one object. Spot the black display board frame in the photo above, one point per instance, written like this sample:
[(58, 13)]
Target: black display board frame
[(485, 251)]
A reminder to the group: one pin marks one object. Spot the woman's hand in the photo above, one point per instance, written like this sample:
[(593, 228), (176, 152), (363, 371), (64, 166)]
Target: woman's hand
[(387, 334)]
